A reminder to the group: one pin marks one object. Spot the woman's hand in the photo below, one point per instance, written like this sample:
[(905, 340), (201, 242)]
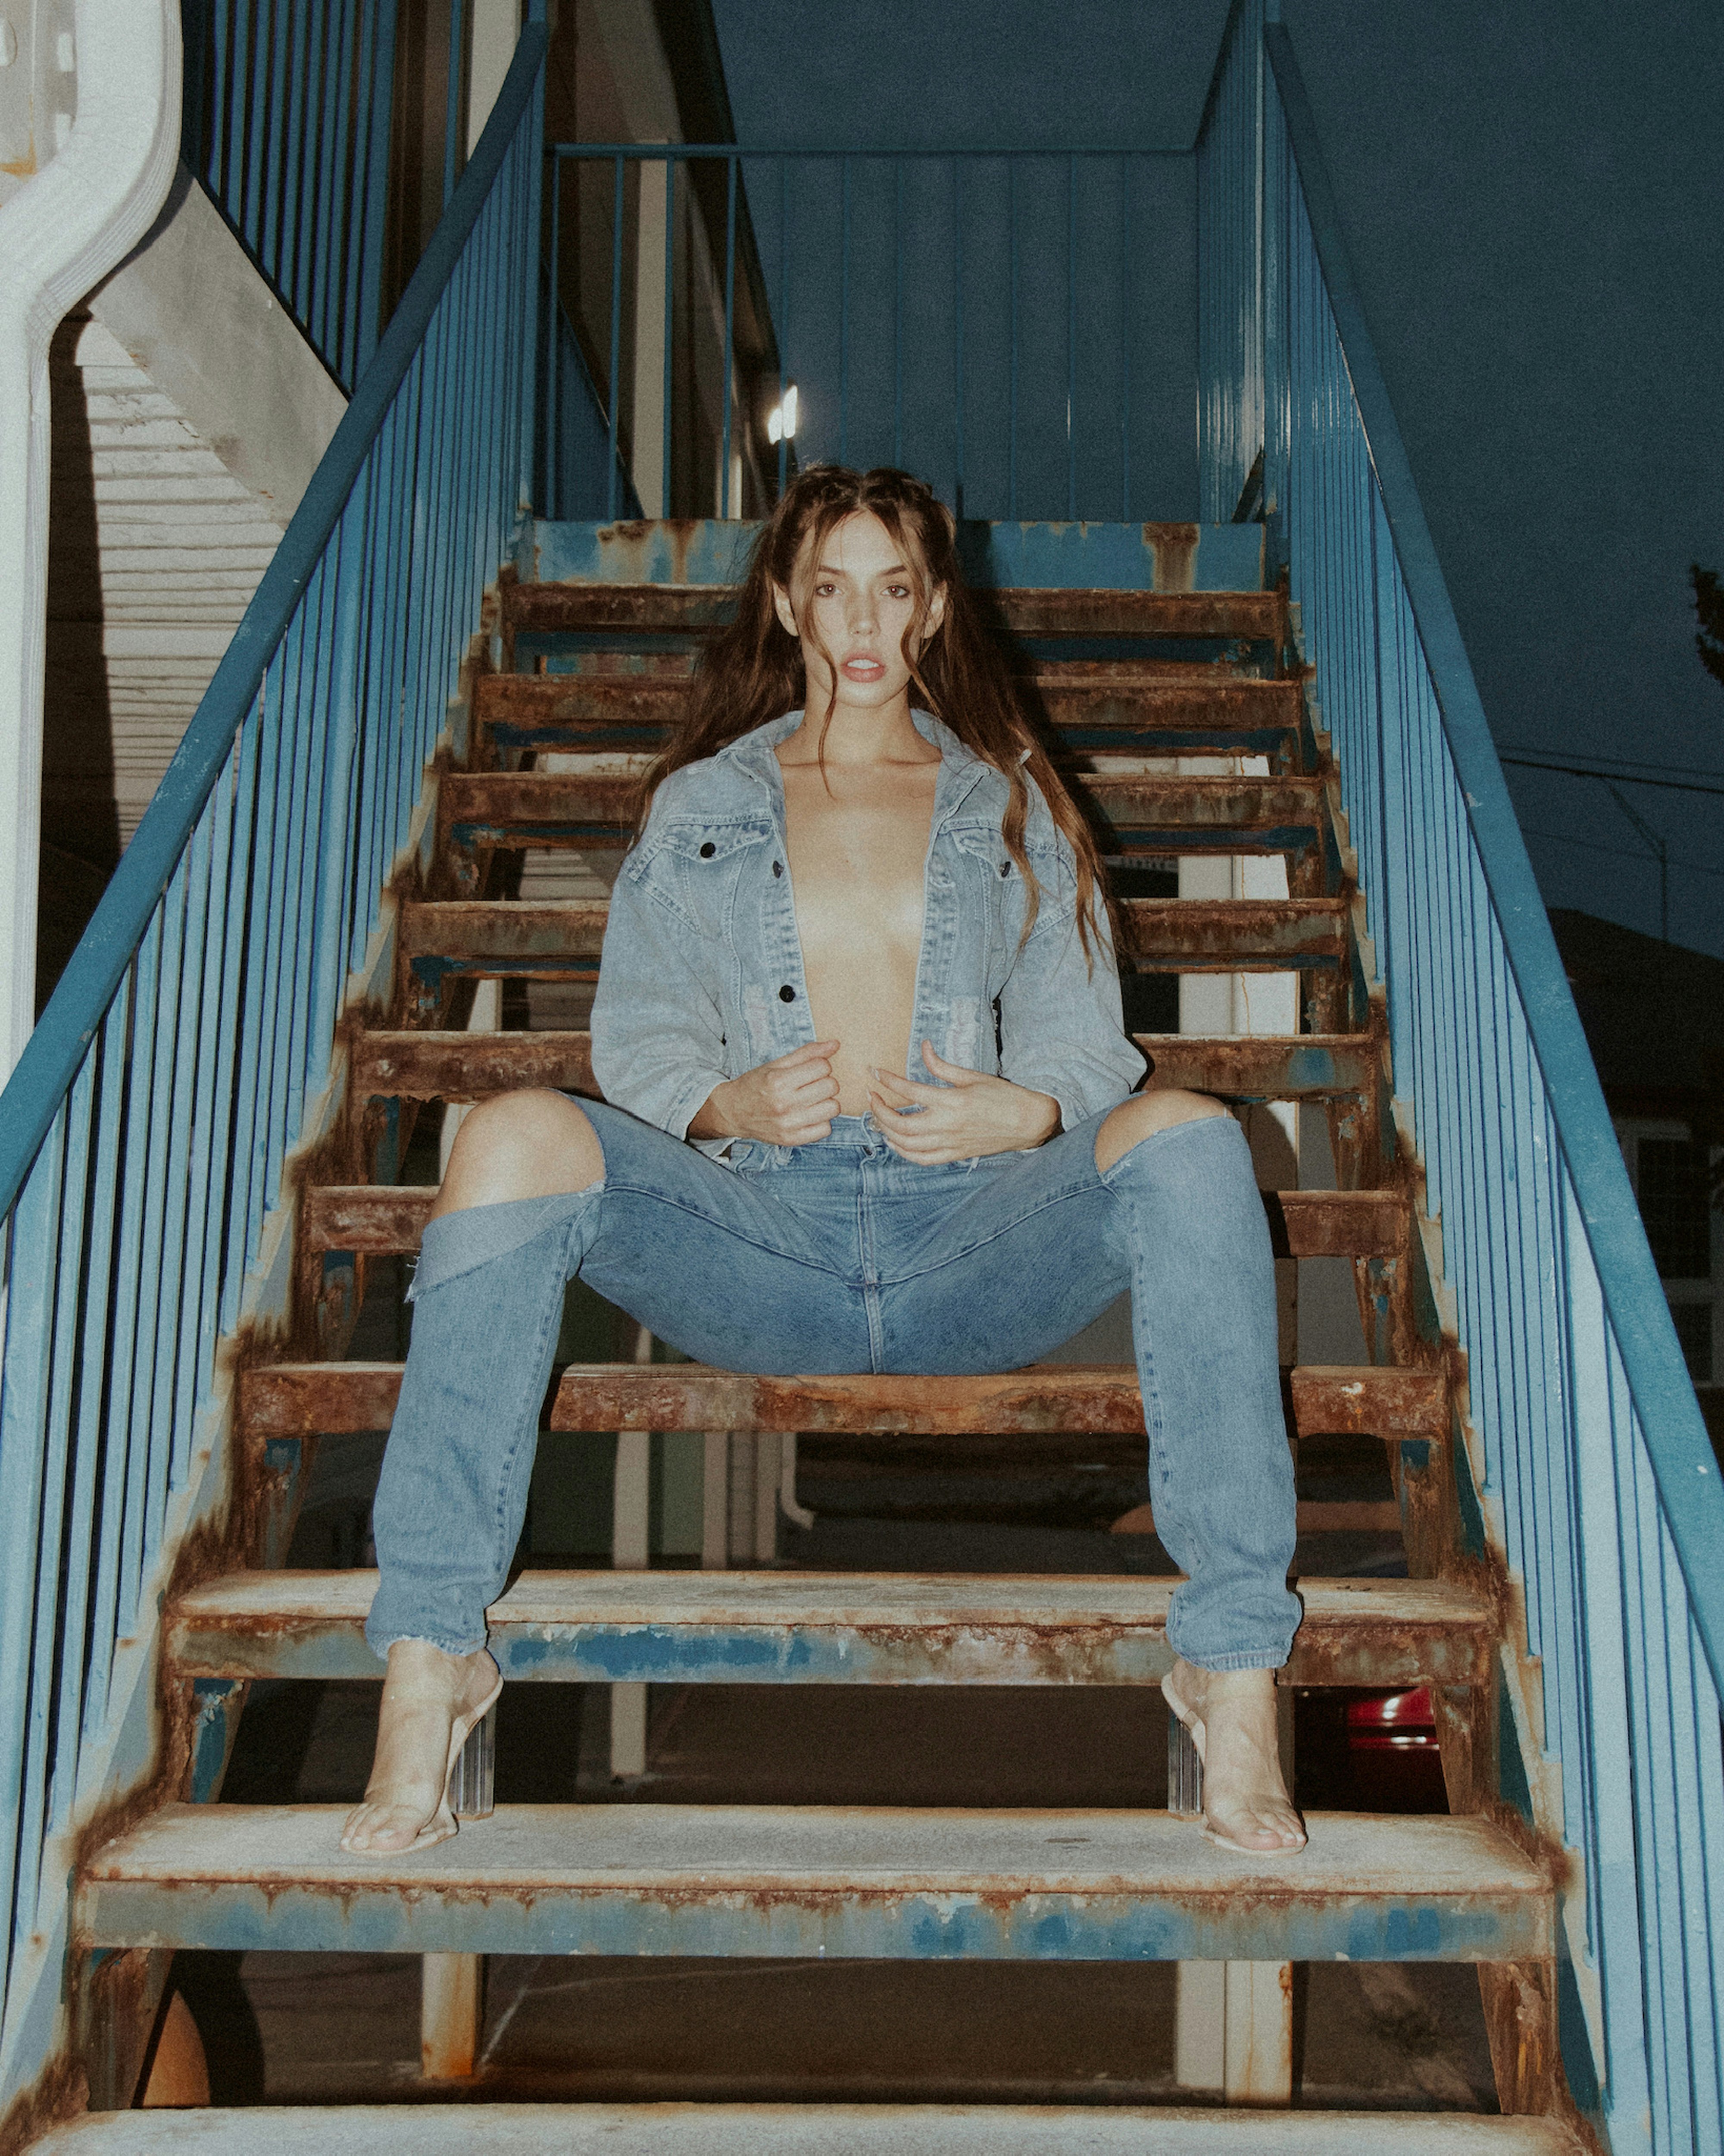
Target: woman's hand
[(971, 1114), (790, 1101)]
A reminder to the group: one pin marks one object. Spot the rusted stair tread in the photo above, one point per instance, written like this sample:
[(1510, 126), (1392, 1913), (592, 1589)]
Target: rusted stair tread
[(466, 1066), (793, 1880), (1217, 935), (1250, 617), (304, 1399), (541, 709), (539, 806), (814, 1627), (384, 1218), (798, 2129)]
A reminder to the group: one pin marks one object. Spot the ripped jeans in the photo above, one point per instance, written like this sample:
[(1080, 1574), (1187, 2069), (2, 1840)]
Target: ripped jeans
[(842, 1257)]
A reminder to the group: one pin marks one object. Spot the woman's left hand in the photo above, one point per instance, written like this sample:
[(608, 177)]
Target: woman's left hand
[(970, 1115)]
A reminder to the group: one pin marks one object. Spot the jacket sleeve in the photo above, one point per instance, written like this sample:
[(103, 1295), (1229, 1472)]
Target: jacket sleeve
[(1062, 1029), (658, 1032)]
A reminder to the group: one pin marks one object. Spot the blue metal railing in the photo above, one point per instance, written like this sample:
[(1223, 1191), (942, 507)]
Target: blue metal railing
[(973, 313), (144, 1135), (287, 124), (1586, 1447)]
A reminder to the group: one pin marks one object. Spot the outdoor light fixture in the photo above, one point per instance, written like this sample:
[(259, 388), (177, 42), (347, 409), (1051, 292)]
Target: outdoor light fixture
[(781, 420)]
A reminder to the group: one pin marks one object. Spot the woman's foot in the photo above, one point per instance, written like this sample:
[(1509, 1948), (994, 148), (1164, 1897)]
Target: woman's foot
[(431, 1702), (1231, 1715)]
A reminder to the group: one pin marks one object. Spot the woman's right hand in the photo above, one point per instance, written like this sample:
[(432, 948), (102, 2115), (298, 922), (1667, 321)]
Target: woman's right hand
[(790, 1101)]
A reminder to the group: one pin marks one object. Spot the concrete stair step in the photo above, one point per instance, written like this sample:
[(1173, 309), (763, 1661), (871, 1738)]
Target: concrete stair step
[(467, 1066), (873, 1882), (775, 2129), (1231, 617), (306, 1399), (819, 1627), (500, 938)]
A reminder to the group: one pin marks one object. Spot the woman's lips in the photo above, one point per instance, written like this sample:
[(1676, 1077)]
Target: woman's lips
[(863, 669)]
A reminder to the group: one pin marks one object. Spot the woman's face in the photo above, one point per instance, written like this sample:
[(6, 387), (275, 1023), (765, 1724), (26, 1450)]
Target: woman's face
[(859, 603)]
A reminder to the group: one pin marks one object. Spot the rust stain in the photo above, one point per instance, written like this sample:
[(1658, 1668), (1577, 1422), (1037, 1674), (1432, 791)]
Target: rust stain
[(1379, 1403), (466, 1066), (1253, 617), (1175, 549), (1230, 934)]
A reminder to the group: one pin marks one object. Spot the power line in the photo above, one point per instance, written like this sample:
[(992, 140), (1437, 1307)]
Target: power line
[(1624, 853), (1621, 777), (1620, 762)]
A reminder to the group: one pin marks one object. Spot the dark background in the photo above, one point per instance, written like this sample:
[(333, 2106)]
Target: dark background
[(1533, 196)]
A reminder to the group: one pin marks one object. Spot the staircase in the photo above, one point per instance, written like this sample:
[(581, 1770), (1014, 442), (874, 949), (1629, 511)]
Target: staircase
[(548, 766)]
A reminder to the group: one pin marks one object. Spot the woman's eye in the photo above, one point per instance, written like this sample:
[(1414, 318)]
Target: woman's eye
[(824, 591)]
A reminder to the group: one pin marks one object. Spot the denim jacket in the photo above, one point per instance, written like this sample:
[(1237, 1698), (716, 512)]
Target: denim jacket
[(701, 977)]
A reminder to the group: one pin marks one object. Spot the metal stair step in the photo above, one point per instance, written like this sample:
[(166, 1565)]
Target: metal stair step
[(569, 710), (788, 2129), (1230, 814), (894, 1883), (1246, 617), (502, 938), (828, 1628), (383, 1220), (308, 1400), (466, 1066)]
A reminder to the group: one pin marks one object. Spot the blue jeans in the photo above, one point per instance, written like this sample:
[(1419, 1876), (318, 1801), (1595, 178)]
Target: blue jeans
[(842, 1257)]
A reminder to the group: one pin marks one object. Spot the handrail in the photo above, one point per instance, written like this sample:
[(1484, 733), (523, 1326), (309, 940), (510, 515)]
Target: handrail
[(1582, 1465), (146, 1135), (1674, 1431), (66, 1027)]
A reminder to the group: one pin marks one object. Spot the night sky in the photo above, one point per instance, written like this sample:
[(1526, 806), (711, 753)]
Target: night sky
[(1533, 196)]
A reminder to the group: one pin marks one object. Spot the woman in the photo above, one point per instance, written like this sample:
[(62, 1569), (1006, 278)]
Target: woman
[(869, 1108)]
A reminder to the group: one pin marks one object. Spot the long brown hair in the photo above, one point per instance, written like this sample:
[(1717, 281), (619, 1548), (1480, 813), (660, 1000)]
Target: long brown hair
[(753, 672)]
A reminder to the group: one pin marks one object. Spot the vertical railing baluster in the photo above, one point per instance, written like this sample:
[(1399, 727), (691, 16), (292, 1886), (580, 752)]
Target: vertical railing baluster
[(665, 509), (453, 145), (898, 311), (23, 1466), (731, 169), (783, 315), (1125, 339), (1071, 229), (610, 497), (957, 337), (844, 314), (1011, 388), (551, 498), (378, 72)]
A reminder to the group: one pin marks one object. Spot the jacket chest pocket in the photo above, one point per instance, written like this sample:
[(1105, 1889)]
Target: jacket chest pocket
[(695, 867)]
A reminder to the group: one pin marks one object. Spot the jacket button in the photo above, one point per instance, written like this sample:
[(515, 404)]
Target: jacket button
[(708, 850), (778, 868), (1005, 868), (787, 994)]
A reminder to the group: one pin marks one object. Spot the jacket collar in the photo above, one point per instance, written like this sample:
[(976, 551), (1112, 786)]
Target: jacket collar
[(961, 769)]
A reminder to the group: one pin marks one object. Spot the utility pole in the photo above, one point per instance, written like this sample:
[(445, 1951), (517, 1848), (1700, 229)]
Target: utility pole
[(1660, 853)]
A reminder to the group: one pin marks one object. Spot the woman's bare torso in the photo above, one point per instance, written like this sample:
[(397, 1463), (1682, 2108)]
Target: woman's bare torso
[(858, 842)]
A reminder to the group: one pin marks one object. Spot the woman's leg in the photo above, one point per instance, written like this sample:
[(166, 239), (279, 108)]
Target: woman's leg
[(537, 1189), (1203, 1313), (509, 1226)]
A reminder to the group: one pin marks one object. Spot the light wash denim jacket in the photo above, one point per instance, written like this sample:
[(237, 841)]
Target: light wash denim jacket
[(701, 977)]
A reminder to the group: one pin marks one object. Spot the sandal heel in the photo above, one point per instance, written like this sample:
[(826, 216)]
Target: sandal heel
[(472, 1777), (1185, 1771)]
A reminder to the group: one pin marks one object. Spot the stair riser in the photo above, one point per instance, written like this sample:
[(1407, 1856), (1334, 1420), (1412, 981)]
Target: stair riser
[(329, 1399), (1004, 1921), (1247, 616), (1231, 936), (468, 1066), (386, 1219), (570, 1654)]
